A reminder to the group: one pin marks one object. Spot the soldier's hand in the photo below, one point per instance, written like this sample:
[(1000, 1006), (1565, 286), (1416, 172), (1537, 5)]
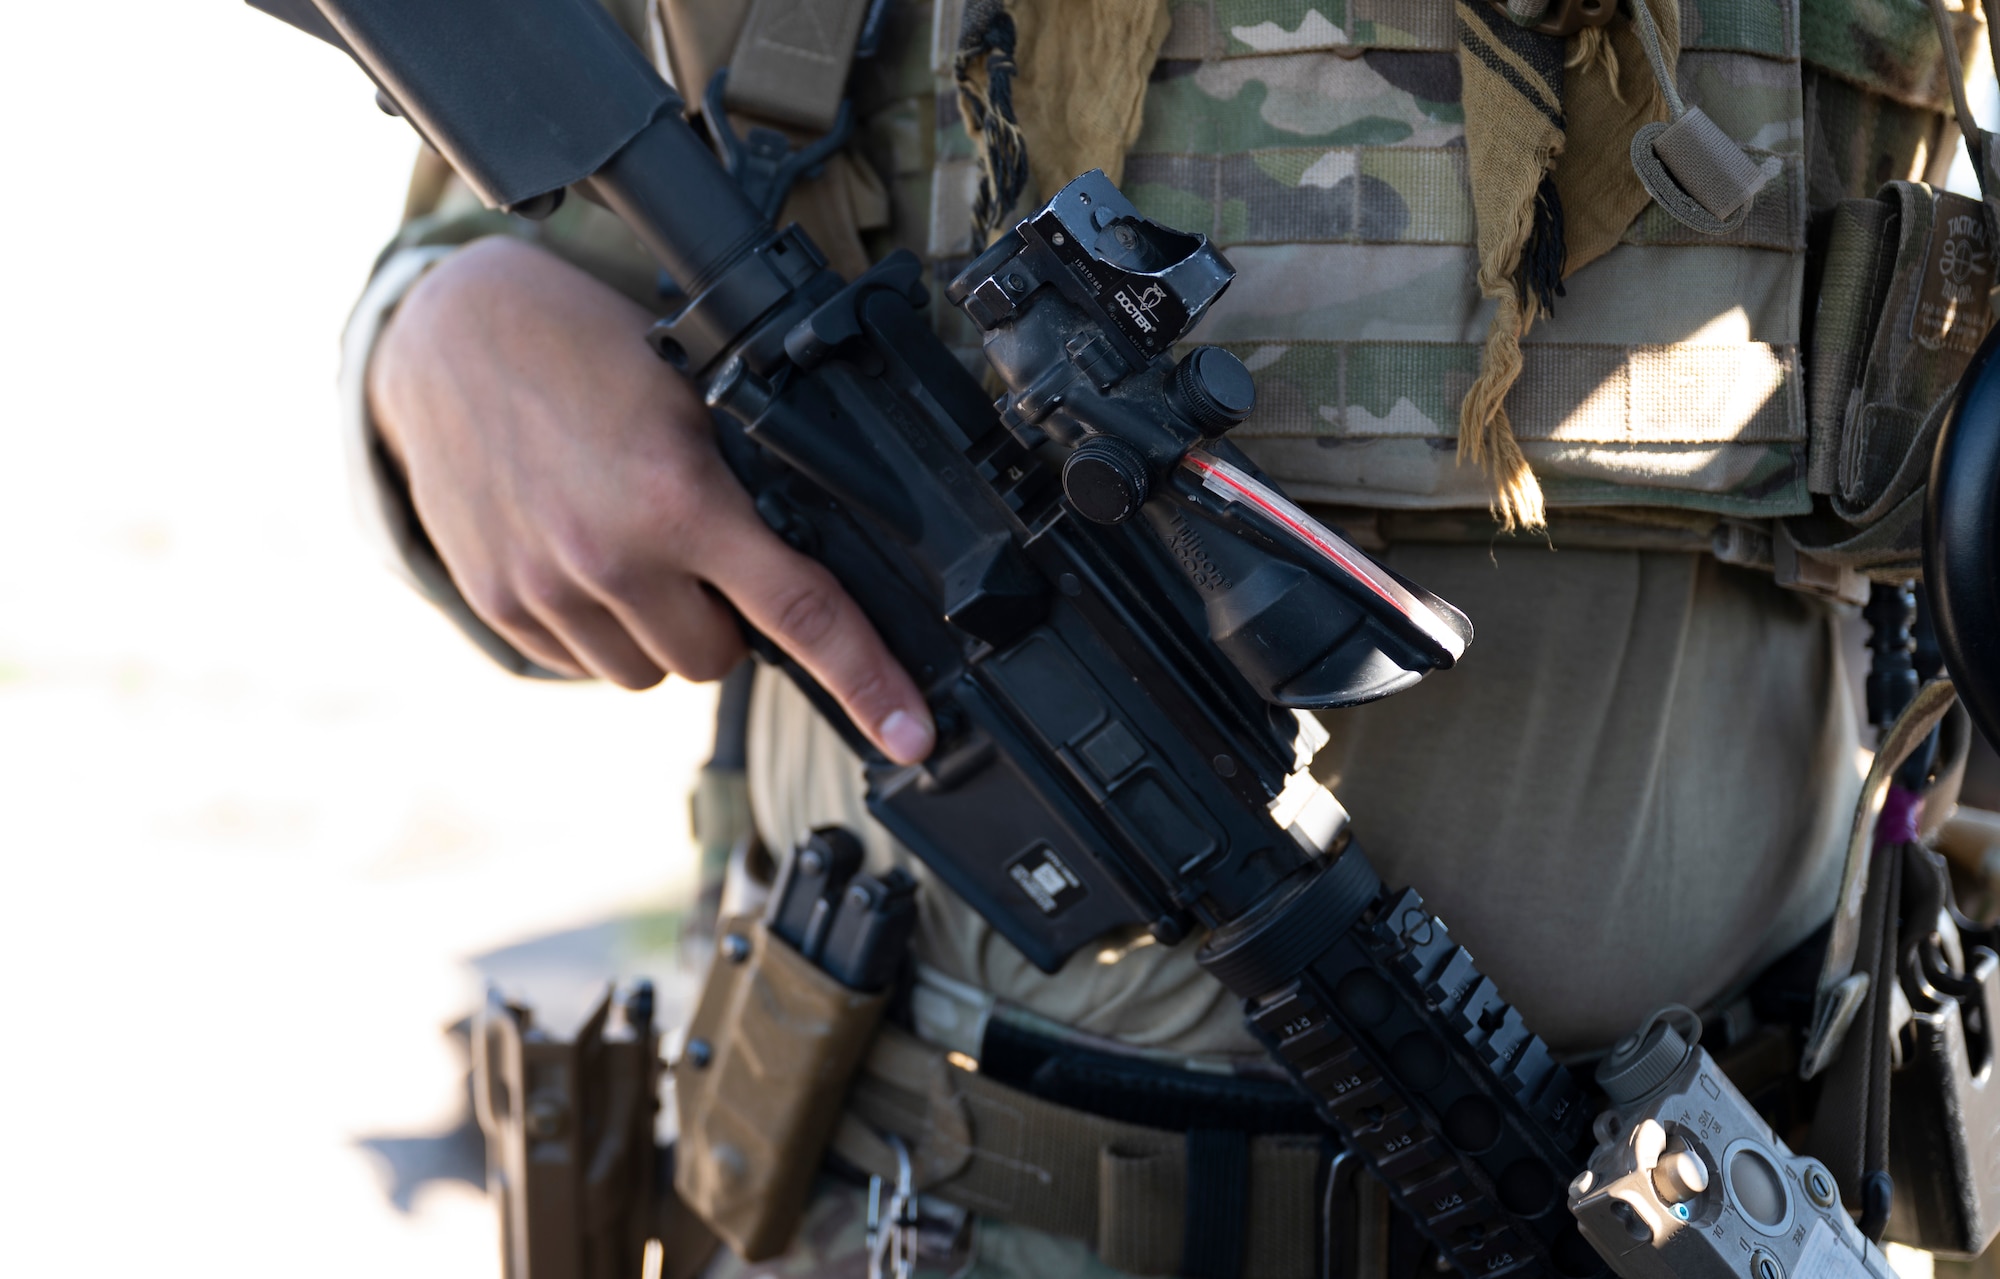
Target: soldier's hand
[(570, 482)]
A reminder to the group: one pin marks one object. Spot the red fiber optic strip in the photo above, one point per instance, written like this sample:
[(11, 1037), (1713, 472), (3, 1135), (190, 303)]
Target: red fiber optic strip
[(1308, 531)]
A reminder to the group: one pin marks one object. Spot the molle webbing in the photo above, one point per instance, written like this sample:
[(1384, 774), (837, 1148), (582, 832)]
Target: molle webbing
[(1324, 147), (1877, 421), (791, 60), (1121, 1188), (1902, 307)]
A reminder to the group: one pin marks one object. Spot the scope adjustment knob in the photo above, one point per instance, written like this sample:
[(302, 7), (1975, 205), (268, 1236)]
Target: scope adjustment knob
[(1212, 389), (1106, 479)]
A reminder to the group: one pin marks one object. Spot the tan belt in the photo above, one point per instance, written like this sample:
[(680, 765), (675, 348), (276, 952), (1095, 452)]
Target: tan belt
[(1118, 1187)]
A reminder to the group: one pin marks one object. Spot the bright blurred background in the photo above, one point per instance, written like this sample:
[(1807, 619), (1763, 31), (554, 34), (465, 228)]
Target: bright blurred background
[(260, 807), (264, 818)]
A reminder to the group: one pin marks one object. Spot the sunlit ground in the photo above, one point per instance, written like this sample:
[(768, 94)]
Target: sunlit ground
[(257, 803)]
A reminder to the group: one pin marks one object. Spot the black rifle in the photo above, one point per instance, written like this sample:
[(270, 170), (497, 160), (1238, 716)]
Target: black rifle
[(1114, 618)]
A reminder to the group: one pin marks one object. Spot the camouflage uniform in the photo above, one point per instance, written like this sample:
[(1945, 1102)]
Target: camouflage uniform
[(1635, 787), (1321, 143)]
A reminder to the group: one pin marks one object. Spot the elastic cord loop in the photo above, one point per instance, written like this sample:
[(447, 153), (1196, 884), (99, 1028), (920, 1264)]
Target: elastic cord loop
[(1649, 38), (1954, 71), (1680, 1013)]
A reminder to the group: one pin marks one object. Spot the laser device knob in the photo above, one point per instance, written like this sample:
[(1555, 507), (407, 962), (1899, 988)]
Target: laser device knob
[(1680, 1175), (1106, 479), (1642, 1062), (1212, 389)]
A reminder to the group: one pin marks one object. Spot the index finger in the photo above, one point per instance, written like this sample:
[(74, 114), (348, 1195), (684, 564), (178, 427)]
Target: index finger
[(801, 606)]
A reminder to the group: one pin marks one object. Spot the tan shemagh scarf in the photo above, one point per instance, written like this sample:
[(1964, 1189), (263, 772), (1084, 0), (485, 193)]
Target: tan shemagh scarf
[(1548, 133), (1049, 89)]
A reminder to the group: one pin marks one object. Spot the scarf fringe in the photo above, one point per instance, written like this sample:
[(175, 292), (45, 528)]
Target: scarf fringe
[(984, 70), (1523, 257), (1543, 257), (1592, 47), (1486, 436), (1533, 253)]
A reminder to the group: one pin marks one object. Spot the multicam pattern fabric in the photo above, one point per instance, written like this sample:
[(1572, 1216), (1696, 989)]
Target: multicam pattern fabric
[(1889, 47), (1653, 383), (1238, 28), (1857, 140), (1321, 143)]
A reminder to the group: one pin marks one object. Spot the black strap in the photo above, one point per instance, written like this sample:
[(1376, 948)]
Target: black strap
[(1850, 1131), (1217, 1219), (732, 719), (1135, 1091)]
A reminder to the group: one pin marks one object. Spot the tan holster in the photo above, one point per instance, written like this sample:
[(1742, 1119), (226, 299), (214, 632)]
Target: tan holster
[(769, 1054), (774, 1046)]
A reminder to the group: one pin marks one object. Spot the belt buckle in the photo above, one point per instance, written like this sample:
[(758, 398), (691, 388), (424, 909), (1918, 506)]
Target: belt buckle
[(892, 1226), (1339, 1249), (1567, 17)]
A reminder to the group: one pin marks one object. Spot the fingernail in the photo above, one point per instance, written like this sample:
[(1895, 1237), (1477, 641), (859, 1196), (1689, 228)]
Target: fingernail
[(908, 738)]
